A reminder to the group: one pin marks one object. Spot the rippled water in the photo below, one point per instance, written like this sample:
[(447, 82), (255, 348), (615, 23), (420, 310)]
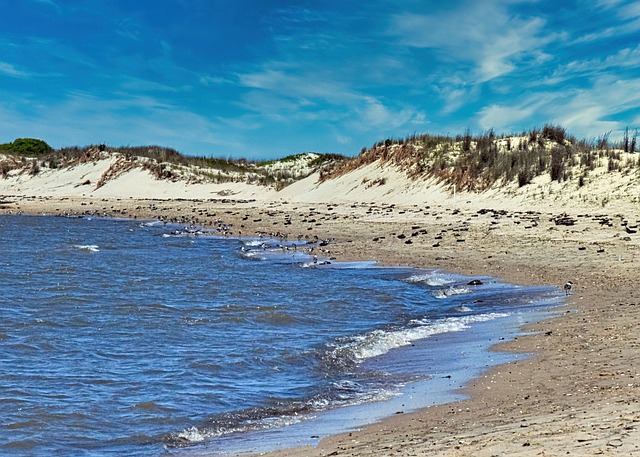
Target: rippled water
[(126, 338)]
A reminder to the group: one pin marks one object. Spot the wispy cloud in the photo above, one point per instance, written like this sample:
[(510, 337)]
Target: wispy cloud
[(586, 112), (8, 69), (483, 34), (622, 59), (50, 3), (606, 4), (285, 95), (506, 117), (625, 20), (373, 113), (629, 10), (623, 29), (455, 93), (128, 27), (287, 83), (595, 108)]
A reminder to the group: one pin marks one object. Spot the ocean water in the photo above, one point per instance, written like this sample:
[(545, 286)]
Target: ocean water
[(122, 337)]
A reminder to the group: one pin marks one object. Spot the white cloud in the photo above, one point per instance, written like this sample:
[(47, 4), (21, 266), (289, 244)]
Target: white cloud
[(456, 95), (622, 29), (374, 114), (481, 33), (209, 80), (626, 21), (11, 70), (271, 106), (626, 58), (143, 85), (588, 121), (284, 96), (502, 53), (629, 10), (289, 83), (507, 118), (607, 4), (420, 118), (586, 112)]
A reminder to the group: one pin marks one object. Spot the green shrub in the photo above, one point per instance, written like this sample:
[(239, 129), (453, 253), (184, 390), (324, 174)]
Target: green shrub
[(28, 147)]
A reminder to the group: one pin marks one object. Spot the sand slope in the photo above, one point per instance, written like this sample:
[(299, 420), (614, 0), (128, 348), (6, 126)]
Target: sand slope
[(90, 179), (110, 176)]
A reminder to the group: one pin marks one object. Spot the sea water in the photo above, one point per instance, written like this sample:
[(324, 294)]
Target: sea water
[(121, 337)]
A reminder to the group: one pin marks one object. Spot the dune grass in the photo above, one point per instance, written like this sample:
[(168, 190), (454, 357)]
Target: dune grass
[(478, 162)]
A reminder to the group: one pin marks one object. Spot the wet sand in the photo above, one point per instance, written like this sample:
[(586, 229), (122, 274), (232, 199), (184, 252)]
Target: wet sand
[(578, 395)]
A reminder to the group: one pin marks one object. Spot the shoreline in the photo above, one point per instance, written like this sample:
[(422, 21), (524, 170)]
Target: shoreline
[(444, 385), (580, 391)]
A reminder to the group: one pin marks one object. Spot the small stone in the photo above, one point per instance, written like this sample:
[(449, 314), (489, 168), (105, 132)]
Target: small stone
[(615, 443)]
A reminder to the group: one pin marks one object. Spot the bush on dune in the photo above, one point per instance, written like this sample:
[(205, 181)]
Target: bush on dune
[(27, 147)]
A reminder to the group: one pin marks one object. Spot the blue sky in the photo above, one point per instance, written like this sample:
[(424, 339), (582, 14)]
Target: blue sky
[(267, 78)]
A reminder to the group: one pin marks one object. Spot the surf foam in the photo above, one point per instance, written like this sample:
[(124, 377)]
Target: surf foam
[(380, 342)]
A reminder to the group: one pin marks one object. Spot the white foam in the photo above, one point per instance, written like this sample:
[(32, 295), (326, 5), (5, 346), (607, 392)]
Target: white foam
[(253, 243), (325, 263), (380, 342), (193, 435), (254, 255), (450, 291), (431, 279), (88, 247)]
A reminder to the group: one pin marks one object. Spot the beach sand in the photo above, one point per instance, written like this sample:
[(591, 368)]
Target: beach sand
[(579, 392)]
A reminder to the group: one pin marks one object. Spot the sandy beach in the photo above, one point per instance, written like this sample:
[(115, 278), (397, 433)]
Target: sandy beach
[(203, 168), (576, 395)]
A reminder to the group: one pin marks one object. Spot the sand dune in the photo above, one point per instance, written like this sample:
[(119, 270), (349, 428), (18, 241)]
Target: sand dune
[(82, 180), (378, 182)]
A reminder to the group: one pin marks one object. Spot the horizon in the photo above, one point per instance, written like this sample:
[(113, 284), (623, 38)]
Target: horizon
[(266, 80)]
